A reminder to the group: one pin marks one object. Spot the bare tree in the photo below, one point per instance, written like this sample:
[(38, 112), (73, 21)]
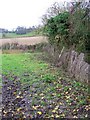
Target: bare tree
[(52, 11)]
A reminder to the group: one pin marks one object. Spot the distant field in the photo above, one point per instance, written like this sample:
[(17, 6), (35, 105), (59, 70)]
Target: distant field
[(24, 40), (14, 35), (0, 35)]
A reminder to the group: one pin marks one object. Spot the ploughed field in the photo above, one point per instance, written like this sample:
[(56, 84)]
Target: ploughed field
[(24, 40), (33, 88)]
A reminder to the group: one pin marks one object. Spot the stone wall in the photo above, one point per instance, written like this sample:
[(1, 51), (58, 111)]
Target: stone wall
[(77, 67), (72, 62)]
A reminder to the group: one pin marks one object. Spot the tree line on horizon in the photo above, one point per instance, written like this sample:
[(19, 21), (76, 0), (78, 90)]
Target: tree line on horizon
[(19, 30)]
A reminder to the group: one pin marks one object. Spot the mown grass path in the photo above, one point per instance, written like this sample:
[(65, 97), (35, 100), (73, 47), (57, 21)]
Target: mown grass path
[(32, 88)]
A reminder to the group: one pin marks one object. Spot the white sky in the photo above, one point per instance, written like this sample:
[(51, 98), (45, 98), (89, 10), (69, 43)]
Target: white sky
[(27, 13)]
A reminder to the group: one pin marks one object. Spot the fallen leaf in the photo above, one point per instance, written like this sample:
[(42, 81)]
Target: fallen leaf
[(67, 97), (39, 112), (66, 92), (75, 117), (69, 88), (24, 116), (74, 110), (56, 108), (57, 116), (9, 88), (63, 115), (42, 98), (4, 112), (54, 111), (19, 96), (52, 115), (34, 107), (41, 94), (86, 115), (19, 109), (60, 103), (14, 93)]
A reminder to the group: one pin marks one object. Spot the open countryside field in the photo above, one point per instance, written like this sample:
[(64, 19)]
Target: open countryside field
[(24, 40), (14, 35)]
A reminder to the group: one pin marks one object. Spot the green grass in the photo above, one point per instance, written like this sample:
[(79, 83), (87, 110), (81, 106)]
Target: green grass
[(14, 35), (26, 66), (0, 35)]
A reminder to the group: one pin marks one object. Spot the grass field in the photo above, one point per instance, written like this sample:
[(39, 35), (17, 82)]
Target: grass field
[(20, 64), (52, 94), (0, 35), (14, 35)]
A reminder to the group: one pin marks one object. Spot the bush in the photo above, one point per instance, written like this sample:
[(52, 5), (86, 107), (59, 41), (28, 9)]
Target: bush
[(70, 28), (58, 26)]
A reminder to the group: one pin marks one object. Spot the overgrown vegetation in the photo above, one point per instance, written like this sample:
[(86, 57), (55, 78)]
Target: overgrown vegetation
[(70, 27)]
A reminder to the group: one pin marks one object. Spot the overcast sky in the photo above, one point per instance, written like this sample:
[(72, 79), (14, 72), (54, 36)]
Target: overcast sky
[(27, 13)]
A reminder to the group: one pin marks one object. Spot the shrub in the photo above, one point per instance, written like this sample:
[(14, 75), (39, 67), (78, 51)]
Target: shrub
[(70, 28), (58, 26)]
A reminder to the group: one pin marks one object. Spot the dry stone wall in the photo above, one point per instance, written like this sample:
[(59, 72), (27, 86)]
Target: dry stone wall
[(73, 63), (77, 67)]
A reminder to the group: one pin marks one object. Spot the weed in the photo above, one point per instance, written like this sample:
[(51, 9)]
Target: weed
[(48, 78)]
